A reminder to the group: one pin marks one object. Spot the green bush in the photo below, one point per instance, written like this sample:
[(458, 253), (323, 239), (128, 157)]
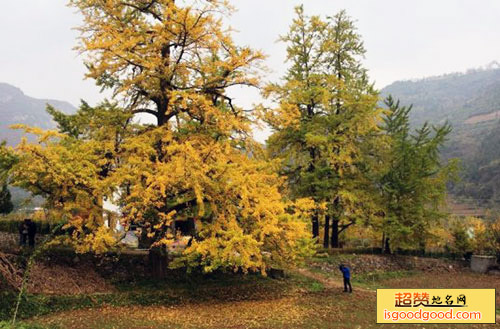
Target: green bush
[(448, 254), (8, 325), (12, 226)]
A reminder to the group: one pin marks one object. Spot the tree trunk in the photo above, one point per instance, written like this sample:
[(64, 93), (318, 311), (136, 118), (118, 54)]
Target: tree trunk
[(161, 110), (422, 248), (326, 238), (158, 262), (387, 246), (315, 226), (335, 233)]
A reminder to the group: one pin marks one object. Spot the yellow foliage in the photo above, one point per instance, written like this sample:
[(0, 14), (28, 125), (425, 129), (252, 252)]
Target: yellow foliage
[(165, 57), (240, 214), (162, 176), (362, 236), (174, 61)]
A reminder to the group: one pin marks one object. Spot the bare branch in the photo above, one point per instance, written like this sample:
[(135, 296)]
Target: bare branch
[(153, 112)]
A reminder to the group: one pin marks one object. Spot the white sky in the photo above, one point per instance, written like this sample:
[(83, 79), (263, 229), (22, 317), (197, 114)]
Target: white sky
[(404, 39)]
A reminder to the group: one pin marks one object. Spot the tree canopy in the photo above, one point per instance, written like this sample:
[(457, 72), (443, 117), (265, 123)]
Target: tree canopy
[(167, 59), (414, 183), (326, 114), (335, 156), (198, 163)]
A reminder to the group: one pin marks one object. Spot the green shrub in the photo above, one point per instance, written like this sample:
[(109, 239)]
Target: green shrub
[(12, 226), (8, 325)]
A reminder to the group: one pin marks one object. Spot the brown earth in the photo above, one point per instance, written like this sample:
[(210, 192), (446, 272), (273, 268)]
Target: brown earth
[(67, 280), (59, 279), (8, 242)]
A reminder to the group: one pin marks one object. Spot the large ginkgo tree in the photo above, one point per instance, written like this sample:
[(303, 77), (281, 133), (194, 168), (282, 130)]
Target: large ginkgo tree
[(174, 61)]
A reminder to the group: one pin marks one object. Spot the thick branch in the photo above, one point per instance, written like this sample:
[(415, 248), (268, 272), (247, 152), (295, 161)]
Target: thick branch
[(345, 226), (155, 113)]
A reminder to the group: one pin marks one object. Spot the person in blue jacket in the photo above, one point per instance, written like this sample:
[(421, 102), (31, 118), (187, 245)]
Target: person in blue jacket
[(346, 272)]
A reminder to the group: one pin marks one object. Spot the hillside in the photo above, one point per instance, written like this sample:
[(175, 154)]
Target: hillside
[(471, 103), (455, 97), (16, 107)]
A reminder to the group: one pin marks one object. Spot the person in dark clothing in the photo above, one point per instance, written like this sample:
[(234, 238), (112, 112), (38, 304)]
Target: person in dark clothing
[(27, 233), (31, 233), (23, 233), (346, 273)]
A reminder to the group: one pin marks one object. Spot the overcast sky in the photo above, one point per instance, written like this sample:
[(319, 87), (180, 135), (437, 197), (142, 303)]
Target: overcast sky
[(404, 40)]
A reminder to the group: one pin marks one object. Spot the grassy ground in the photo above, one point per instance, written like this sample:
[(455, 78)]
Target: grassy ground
[(311, 298), (409, 277)]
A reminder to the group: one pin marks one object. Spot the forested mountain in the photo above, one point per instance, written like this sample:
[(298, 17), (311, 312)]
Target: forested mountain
[(471, 103), (16, 107)]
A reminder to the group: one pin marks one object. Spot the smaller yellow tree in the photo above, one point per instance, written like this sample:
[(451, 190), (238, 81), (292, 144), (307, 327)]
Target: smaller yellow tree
[(482, 235)]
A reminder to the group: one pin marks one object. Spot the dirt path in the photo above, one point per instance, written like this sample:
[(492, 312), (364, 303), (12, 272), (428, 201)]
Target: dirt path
[(328, 282)]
